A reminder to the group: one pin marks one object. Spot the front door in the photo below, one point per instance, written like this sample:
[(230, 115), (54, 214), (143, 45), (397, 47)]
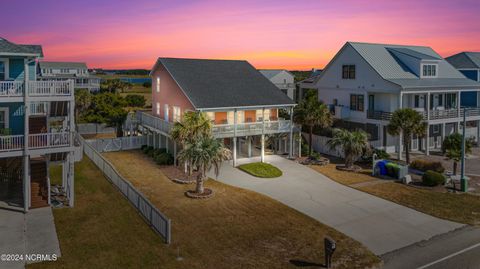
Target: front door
[(371, 102)]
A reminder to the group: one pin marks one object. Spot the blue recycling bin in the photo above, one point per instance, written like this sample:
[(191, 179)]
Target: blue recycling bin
[(382, 167)]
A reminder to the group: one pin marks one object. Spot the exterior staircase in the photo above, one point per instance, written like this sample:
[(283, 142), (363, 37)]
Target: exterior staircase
[(38, 183)]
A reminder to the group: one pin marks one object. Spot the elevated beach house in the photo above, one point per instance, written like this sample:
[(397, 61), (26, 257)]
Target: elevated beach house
[(76, 71), (284, 80), (36, 128), (242, 104), (365, 83)]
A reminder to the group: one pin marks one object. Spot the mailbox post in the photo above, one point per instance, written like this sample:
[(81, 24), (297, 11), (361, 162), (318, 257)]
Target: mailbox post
[(330, 247)]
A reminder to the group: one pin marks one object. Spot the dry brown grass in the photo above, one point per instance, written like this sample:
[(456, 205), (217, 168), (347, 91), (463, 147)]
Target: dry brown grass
[(344, 177), (464, 208), (99, 136), (236, 228)]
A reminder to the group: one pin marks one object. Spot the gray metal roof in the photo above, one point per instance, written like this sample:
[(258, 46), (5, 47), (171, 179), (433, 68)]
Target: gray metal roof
[(465, 60), (412, 53), (9, 48), (270, 73), (462, 83), (391, 68), (66, 65), (223, 83)]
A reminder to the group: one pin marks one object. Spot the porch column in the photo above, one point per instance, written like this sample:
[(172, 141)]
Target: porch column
[(249, 146), (166, 144), (26, 183), (443, 132), (459, 105), (235, 138), (400, 144), (300, 144), (427, 140), (262, 139), (290, 151), (174, 154), (427, 137), (71, 175)]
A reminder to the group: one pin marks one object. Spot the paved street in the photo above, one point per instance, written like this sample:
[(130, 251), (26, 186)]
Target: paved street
[(380, 225), (31, 233), (457, 249)]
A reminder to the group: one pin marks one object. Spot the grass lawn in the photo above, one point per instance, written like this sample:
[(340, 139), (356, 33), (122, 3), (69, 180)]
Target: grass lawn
[(464, 208), (236, 228), (103, 230), (140, 90), (260, 169)]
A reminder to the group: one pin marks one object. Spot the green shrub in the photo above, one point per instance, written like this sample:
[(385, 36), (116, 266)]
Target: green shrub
[(381, 154), (392, 169), (159, 151), (135, 100), (147, 84), (424, 165), (147, 149), (143, 147), (164, 159), (432, 178)]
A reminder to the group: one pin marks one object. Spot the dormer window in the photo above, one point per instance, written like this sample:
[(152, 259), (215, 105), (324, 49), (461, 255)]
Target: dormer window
[(429, 70), (348, 71)]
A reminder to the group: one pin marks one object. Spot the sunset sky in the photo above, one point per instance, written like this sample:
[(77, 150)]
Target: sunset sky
[(269, 34)]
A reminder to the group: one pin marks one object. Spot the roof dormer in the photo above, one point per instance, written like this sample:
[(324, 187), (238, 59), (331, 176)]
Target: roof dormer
[(422, 65)]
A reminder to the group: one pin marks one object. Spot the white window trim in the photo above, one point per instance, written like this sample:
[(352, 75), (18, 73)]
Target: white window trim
[(7, 67), (158, 84), (177, 113), (421, 70), (158, 108), (7, 116)]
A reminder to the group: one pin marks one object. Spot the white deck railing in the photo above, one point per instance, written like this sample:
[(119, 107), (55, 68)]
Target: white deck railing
[(50, 88), (221, 130), (11, 88), (35, 141), (36, 88), (47, 140), (11, 142)]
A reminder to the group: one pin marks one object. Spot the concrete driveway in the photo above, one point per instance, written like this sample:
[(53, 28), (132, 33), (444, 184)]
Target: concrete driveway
[(27, 234), (380, 225)]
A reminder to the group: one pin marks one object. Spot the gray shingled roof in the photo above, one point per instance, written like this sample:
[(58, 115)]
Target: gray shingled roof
[(465, 60), (7, 47), (223, 83), (59, 65), (390, 68)]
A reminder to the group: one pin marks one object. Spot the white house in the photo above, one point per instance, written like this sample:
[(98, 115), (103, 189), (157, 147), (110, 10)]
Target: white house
[(76, 71), (283, 79), (365, 83)]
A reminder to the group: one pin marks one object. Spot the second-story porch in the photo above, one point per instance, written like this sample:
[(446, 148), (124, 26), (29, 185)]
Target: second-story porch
[(15, 91), (434, 106)]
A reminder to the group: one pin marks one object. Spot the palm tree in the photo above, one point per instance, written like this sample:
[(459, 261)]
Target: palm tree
[(192, 126), (353, 144), (407, 122), (311, 112), (204, 154), (452, 148)]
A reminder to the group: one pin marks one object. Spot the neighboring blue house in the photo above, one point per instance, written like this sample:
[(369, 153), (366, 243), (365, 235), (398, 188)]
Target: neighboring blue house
[(36, 128), (468, 63)]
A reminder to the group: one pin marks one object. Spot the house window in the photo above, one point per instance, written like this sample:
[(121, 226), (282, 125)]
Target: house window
[(176, 113), (429, 70), (158, 84), (158, 108), (450, 100), (165, 113), (3, 69), (211, 116), (348, 71), (3, 118), (357, 102)]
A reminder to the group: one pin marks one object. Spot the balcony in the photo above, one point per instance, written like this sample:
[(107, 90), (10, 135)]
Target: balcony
[(221, 130), (16, 89), (437, 114), (35, 141)]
